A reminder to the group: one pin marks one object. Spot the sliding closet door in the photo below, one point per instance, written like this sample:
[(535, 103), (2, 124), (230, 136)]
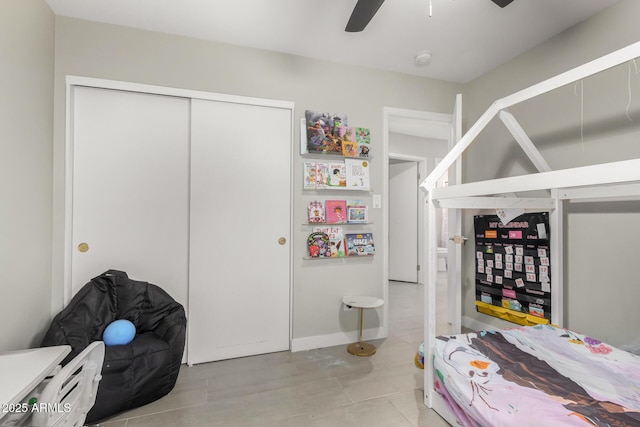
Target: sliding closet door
[(240, 226), (130, 187)]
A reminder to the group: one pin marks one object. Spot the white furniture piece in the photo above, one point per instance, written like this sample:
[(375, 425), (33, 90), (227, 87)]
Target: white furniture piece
[(442, 258), (21, 372), (66, 398), (361, 302), (607, 181)]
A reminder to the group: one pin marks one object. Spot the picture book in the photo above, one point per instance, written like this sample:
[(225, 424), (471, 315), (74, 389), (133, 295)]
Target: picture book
[(357, 174), (336, 175), (357, 214), (336, 211), (322, 175), (363, 141), (321, 131), (310, 182), (318, 244), (349, 134), (316, 212), (360, 244), (339, 121), (336, 241), (347, 137)]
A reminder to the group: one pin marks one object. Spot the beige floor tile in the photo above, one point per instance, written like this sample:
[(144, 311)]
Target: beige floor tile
[(197, 384), (410, 405), (373, 413), (121, 423), (382, 383), (174, 400), (370, 414), (226, 412), (325, 387), (309, 398)]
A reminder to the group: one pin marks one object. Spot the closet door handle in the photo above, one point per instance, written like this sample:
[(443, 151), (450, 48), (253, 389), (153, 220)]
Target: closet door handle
[(83, 247), (282, 241)]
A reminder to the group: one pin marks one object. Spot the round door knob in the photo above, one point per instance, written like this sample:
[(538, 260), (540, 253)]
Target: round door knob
[(282, 241), (83, 247)]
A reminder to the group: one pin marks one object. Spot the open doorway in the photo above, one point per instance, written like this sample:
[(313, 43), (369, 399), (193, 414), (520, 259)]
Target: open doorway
[(411, 139), (410, 160), (405, 218)]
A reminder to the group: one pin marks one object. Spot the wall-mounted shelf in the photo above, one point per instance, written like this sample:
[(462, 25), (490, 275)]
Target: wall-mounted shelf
[(332, 242), (326, 224), (338, 189), (308, 258), (323, 155), (342, 173)]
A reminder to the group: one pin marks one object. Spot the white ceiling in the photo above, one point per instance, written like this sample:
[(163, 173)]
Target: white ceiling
[(467, 37)]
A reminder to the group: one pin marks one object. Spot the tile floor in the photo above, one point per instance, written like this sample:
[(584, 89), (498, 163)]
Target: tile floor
[(323, 387)]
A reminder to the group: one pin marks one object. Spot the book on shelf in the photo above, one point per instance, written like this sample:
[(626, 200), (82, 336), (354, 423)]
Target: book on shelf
[(310, 176), (363, 141), (357, 214), (322, 175), (336, 241), (318, 244), (316, 212), (337, 175), (321, 131), (336, 211), (315, 175), (326, 133), (357, 174), (347, 135), (349, 149), (339, 131), (360, 244)]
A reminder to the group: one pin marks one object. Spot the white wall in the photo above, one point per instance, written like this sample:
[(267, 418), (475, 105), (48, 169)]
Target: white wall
[(418, 146), (33, 284), (601, 292), (118, 53), (26, 124)]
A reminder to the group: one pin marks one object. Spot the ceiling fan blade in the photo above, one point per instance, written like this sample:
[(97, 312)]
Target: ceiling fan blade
[(362, 14), (502, 3)]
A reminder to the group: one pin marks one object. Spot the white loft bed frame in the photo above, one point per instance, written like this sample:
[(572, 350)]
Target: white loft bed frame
[(589, 183)]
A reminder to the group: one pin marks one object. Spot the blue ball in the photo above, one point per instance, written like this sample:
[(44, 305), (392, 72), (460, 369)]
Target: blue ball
[(119, 332)]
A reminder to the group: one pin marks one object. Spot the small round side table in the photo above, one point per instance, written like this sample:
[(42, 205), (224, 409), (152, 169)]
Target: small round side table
[(361, 302)]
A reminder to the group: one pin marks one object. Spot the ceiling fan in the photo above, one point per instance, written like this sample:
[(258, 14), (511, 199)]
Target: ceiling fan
[(364, 11)]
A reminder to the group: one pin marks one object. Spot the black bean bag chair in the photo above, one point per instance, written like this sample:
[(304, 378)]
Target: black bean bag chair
[(137, 373)]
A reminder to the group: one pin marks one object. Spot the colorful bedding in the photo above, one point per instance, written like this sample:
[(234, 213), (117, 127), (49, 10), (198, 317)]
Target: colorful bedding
[(537, 376)]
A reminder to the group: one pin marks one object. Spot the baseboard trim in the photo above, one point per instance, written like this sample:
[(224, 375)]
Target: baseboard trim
[(340, 338)]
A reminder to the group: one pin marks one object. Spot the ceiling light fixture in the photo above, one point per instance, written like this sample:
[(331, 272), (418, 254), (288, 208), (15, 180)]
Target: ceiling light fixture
[(423, 57)]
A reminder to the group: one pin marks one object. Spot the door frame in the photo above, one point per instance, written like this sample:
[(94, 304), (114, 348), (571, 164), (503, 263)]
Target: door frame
[(422, 171), (444, 125), (73, 81)]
